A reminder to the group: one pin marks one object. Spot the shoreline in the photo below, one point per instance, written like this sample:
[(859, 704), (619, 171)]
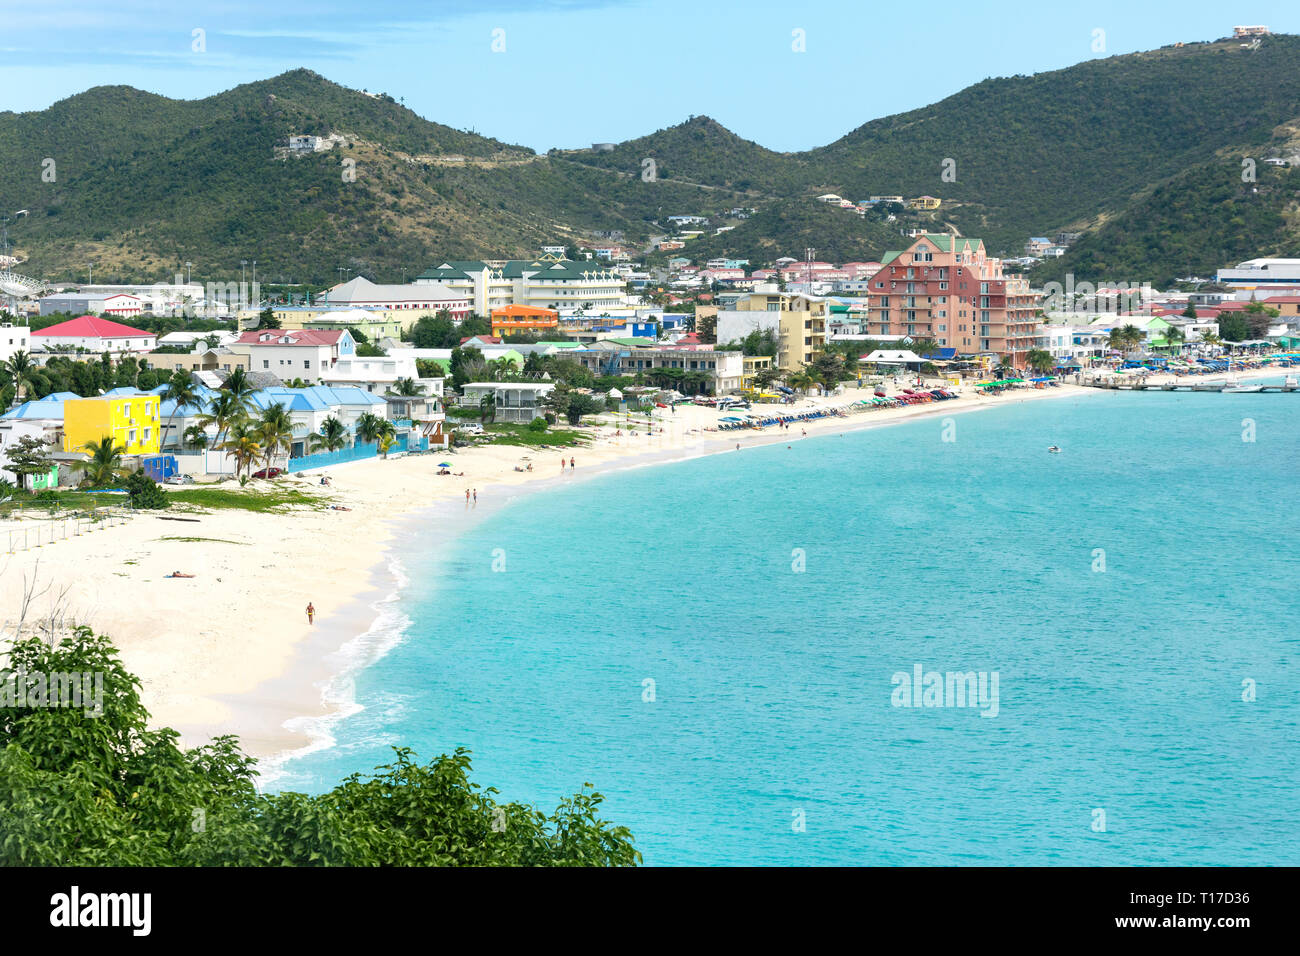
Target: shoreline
[(230, 651)]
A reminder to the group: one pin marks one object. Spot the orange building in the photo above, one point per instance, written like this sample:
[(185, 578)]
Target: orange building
[(523, 318)]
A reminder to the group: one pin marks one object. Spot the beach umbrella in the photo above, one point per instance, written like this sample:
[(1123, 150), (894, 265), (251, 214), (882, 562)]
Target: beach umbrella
[(444, 464)]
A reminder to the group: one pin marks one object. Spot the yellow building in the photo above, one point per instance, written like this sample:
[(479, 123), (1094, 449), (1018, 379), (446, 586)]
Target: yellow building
[(799, 322), (133, 422), (925, 202), (752, 365)]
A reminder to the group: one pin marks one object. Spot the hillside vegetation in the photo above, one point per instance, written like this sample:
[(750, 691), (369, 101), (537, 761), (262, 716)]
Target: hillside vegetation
[(1137, 151)]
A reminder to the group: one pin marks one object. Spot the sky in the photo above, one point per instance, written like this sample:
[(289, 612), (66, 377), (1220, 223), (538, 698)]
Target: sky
[(567, 73)]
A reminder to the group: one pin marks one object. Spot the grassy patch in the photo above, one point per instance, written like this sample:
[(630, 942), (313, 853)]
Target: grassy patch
[(186, 538), (521, 435), (271, 501), (62, 500)]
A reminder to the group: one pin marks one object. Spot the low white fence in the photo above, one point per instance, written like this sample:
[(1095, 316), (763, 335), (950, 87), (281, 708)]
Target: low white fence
[(42, 533)]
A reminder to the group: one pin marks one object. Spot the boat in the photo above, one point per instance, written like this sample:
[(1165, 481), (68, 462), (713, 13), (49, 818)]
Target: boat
[(1291, 382), (1244, 388), (1054, 450)]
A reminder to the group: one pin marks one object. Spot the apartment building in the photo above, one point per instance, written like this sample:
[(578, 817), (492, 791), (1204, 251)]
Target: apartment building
[(947, 288), (542, 283), (304, 353), (726, 369), (798, 320)]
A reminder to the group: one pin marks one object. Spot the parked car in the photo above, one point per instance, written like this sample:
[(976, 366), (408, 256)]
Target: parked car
[(472, 428), (269, 473), (179, 480)]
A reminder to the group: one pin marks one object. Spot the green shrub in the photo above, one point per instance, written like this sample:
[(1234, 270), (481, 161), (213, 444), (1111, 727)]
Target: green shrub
[(537, 425), (96, 785), (143, 492)]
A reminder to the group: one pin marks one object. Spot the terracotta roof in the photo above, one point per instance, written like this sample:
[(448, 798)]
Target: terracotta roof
[(87, 326), (313, 337)]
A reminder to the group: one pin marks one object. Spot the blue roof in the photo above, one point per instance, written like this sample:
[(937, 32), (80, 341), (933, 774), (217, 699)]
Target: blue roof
[(41, 408)]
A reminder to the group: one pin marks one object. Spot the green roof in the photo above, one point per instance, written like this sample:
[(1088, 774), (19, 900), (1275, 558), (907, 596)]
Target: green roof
[(563, 345), (890, 256), (634, 342)]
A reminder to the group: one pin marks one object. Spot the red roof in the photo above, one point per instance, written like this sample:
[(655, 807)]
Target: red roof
[(487, 339), (89, 327), (294, 336), (1288, 299)]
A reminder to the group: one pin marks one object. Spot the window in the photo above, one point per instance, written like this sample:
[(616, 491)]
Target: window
[(306, 363), (266, 363)]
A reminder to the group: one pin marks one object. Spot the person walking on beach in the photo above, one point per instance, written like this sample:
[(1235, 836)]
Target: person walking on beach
[(311, 613), (466, 496), (561, 465), (571, 465), (475, 496)]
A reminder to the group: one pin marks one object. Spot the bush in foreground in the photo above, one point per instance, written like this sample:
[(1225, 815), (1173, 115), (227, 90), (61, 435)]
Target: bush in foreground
[(79, 789)]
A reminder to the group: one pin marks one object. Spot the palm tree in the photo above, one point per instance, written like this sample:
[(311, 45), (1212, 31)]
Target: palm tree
[(243, 446), (237, 384), (1040, 360), (801, 380), (1174, 337), (275, 431), (20, 370), (196, 437), (332, 436), (224, 411), (180, 390), (1133, 337), (407, 388), (387, 437), (104, 466), (487, 408), (369, 426)]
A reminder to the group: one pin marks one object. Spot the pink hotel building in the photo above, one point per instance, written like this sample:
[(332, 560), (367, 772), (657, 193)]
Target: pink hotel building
[(946, 288)]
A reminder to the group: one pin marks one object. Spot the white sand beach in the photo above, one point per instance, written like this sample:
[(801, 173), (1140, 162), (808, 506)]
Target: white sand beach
[(230, 650)]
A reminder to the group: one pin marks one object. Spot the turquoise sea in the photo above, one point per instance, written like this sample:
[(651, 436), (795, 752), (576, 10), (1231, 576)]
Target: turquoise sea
[(1135, 597)]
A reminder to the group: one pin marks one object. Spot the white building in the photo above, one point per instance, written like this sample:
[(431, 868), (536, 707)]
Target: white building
[(518, 402), (544, 283), (92, 334), (428, 297), (303, 353), (1257, 273), (14, 338)]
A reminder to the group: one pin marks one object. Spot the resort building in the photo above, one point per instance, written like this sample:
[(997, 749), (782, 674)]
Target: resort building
[(428, 298), (947, 288), (543, 283), (91, 334), (798, 320), (511, 319), (130, 417), (516, 402), (723, 370)]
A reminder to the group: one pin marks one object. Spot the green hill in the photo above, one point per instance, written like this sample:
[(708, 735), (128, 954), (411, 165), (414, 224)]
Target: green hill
[(1127, 149)]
